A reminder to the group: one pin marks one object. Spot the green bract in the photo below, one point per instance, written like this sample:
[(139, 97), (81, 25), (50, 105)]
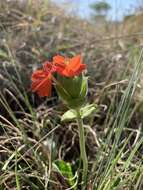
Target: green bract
[(85, 111), (72, 90)]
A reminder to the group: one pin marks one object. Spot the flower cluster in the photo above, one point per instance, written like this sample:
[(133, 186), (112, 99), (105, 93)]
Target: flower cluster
[(64, 66)]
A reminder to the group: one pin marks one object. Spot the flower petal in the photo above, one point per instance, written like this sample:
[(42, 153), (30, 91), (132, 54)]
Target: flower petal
[(38, 74), (41, 83), (75, 61), (73, 68), (47, 66), (67, 72), (76, 64), (58, 59)]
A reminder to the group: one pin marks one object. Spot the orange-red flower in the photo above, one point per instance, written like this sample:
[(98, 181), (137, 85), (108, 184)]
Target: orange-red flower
[(68, 67), (42, 80)]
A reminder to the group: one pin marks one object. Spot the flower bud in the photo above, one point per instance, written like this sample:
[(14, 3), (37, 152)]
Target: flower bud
[(72, 90)]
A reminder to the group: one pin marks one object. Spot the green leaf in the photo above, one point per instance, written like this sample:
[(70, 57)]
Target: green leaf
[(87, 110), (3, 54), (70, 115), (66, 170)]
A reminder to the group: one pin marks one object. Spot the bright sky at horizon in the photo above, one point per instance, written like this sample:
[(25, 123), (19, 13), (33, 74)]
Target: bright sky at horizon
[(120, 8)]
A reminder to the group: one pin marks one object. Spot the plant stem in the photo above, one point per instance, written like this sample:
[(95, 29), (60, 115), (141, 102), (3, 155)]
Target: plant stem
[(82, 148)]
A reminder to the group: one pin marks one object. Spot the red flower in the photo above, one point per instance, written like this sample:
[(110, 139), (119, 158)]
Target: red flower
[(42, 80), (68, 67)]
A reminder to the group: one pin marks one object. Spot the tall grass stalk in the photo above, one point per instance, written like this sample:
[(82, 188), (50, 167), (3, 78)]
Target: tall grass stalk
[(119, 123)]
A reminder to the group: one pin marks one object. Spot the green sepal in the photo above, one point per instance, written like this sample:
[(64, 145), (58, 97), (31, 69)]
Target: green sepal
[(73, 90)]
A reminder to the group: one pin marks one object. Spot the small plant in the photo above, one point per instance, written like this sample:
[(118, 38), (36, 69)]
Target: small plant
[(71, 86)]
